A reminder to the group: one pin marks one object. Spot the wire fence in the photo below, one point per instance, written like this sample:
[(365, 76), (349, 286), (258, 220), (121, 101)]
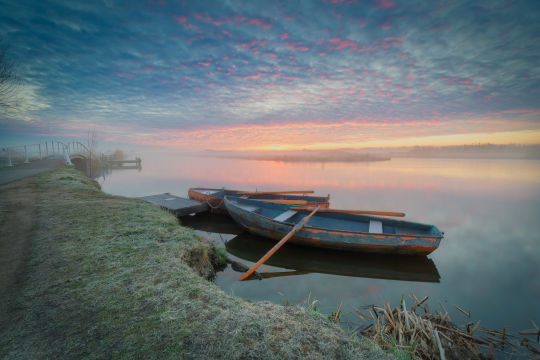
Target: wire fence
[(15, 155)]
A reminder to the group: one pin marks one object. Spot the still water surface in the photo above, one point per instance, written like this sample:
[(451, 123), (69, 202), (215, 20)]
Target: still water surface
[(488, 262)]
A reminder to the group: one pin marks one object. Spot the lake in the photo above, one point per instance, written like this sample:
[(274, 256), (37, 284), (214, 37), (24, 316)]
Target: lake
[(487, 263)]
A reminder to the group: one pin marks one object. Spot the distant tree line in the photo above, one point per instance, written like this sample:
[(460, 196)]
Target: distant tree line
[(507, 151)]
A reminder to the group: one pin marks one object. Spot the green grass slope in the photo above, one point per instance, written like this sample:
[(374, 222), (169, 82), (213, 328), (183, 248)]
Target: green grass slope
[(98, 276)]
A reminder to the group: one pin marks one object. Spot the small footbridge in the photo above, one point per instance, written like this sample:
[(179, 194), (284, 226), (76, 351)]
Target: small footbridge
[(73, 153)]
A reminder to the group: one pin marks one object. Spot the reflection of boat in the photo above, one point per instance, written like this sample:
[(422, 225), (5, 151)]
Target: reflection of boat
[(211, 223), (306, 260), (214, 197), (335, 230)]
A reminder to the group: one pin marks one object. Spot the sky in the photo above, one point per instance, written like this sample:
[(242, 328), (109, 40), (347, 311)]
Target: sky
[(250, 75)]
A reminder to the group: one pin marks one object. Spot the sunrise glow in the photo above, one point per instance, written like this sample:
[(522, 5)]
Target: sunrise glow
[(278, 75)]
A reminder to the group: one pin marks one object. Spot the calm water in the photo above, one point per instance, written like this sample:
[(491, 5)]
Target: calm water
[(488, 262)]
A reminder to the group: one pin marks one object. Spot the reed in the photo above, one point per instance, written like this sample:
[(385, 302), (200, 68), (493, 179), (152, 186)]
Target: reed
[(433, 335)]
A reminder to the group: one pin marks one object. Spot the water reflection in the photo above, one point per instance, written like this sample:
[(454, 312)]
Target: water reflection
[(305, 260), (100, 171), (488, 209)]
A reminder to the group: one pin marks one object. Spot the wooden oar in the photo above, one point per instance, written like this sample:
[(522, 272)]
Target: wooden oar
[(271, 252), (361, 212), (290, 202), (275, 192), (269, 275)]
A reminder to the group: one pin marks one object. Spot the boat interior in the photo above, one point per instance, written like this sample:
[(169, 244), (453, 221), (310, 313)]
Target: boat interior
[(225, 192), (336, 221)]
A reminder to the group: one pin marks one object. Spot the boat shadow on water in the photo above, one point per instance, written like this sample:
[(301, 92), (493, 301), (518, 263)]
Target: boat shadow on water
[(300, 260)]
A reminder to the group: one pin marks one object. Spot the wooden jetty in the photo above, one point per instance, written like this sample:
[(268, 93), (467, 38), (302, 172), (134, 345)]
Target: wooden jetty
[(177, 205), (120, 163)]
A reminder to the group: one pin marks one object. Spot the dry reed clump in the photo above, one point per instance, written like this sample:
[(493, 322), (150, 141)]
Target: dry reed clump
[(407, 334)]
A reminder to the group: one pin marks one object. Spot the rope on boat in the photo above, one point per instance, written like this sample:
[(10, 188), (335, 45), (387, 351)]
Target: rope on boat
[(212, 207)]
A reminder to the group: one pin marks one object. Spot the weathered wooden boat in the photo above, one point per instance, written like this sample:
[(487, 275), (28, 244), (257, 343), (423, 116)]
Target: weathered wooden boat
[(300, 260), (335, 230), (214, 198)]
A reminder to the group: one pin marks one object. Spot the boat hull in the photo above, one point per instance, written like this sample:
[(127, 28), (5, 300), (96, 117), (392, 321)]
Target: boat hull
[(215, 202), (217, 205), (333, 239)]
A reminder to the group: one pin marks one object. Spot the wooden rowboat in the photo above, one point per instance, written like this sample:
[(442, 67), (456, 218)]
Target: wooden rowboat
[(214, 197), (335, 230)]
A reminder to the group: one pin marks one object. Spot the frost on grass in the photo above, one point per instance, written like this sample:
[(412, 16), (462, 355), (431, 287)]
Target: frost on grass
[(108, 276)]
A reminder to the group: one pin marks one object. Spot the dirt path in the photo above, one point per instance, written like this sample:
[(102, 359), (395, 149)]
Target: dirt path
[(9, 174), (17, 222)]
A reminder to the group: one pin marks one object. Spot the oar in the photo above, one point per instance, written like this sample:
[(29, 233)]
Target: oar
[(290, 202), (275, 192), (294, 230), (269, 275), (361, 212)]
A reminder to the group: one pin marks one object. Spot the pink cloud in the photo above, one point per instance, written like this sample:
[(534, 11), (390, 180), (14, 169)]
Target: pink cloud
[(259, 22), (254, 43), (362, 23), (273, 55), (526, 112), (337, 15), (385, 4), (195, 38), (208, 19), (463, 82), (204, 63), (256, 21), (284, 36), (181, 19), (342, 44), (256, 76), (402, 88), (387, 42), (386, 25), (296, 46), (346, 2)]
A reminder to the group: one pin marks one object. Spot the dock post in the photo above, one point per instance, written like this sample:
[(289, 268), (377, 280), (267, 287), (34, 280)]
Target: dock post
[(9, 157), (26, 160), (40, 156), (46, 149)]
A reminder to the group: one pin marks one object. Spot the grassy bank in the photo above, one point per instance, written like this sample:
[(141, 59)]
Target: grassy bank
[(98, 276)]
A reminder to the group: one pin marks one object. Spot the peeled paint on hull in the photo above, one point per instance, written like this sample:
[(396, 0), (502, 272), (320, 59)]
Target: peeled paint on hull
[(335, 239)]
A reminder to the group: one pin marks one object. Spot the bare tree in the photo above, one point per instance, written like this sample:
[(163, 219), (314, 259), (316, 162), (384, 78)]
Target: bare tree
[(8, 82), (92, 158)]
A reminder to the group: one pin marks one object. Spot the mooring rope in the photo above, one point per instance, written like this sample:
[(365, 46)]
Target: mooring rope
[(212, 207)]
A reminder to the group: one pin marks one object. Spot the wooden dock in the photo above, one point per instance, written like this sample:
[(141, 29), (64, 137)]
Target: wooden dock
[(177, 205), (120, 163)]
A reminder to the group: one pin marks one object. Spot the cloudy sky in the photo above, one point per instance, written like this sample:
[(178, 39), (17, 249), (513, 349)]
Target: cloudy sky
[(275, 74)]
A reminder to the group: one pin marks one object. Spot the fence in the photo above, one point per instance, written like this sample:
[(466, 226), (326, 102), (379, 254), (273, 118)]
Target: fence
[(14, 155)]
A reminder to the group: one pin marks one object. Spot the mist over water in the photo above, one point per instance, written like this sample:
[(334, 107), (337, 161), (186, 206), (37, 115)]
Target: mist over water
[(488, 209)]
